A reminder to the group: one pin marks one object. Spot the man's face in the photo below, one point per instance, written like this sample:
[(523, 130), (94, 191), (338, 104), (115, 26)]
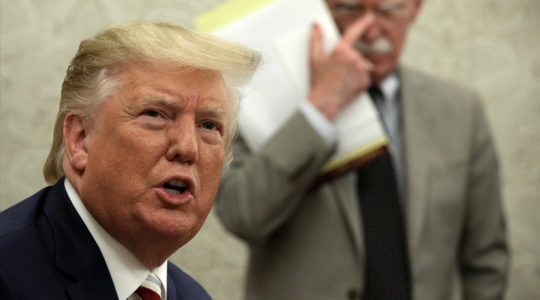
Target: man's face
[(382, 41), (155, 153)]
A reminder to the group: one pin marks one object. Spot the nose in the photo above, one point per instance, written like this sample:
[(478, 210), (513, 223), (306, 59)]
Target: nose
[(373, 30), (183, 145)]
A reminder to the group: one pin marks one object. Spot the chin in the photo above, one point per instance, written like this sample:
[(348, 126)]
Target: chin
[(380, 72), (174, 224)]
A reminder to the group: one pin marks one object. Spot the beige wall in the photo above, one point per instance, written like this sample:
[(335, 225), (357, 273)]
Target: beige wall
[(493, 46)]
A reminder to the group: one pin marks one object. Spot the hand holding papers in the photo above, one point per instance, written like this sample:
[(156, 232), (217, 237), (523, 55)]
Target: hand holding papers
[(281, 30)]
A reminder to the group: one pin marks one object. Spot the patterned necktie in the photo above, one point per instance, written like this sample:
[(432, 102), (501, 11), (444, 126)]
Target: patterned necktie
[(387, 270), (150, 289)]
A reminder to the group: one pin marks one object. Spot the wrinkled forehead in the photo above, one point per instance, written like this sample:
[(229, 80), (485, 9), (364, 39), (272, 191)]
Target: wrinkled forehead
[(136, 81), (176, 76), (166, 67)]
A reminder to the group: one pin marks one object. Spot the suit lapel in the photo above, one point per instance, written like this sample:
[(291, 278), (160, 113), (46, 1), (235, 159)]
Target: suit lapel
[(416, 118), (344, 189), (171, 287), (416, 159), (416, 153), (76, 252)]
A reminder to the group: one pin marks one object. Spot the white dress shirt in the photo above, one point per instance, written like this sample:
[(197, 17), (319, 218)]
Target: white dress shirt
[(126, 270)]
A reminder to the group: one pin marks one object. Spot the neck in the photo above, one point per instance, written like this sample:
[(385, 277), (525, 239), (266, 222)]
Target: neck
[(152, 252)]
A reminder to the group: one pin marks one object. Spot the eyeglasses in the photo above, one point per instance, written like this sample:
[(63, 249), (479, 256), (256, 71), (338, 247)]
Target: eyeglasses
[(387, 11)]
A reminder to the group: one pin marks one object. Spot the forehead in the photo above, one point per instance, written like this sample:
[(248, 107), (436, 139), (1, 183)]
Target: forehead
[(172, 82)]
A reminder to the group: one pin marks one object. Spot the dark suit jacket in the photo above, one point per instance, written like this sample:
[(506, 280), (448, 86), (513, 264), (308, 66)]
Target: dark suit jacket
[(46, 252)]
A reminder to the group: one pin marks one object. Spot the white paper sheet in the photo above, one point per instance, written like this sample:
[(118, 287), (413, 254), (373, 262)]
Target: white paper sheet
[(280, 30)]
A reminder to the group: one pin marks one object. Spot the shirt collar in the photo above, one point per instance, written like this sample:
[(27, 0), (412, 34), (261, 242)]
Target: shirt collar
[(127, 272), (390, 86)]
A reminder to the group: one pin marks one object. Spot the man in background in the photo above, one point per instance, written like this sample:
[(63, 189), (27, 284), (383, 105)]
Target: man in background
[(146, 120), (424, 221)]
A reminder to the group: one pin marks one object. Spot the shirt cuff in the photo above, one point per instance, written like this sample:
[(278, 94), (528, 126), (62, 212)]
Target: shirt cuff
[(319, 122)]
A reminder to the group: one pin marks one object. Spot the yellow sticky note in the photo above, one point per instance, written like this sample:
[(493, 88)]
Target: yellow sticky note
[(227, 12)]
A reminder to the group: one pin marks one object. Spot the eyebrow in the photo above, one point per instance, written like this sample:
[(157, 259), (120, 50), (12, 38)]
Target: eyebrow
[(160, 101), (208, 109), (213, 110)]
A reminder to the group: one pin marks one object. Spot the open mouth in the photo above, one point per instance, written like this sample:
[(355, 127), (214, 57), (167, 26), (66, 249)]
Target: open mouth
[(175, 187)]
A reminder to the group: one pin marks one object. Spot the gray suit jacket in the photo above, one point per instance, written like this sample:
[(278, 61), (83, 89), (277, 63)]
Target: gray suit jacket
[(307, 243)]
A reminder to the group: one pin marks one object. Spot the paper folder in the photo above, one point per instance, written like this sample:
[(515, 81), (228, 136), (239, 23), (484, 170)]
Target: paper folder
[(280, 30)]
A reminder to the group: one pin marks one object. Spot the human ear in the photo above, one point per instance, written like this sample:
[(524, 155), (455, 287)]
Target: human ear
[(76, 140)]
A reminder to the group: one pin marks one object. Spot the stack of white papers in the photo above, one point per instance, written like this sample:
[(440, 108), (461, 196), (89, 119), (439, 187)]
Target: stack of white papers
[(280, 30)]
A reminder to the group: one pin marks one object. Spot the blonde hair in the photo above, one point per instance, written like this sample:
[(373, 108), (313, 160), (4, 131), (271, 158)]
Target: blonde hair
[(89, 79)]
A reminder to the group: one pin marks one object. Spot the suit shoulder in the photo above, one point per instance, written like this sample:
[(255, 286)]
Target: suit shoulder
[(443, 93), (19, 230), (433, 82), (183, 286), (22, 214)]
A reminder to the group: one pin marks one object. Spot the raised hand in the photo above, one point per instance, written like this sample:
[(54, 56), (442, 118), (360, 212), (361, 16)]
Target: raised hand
[(337, 77)]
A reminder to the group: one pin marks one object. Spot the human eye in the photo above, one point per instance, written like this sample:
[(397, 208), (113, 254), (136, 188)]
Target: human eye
[(153, 118), (389, 8), (210, 125), (346, 8), (151, 113), (211, 131)]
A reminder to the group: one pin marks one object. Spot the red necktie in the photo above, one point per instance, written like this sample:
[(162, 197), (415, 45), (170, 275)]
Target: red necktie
[(150, 289)]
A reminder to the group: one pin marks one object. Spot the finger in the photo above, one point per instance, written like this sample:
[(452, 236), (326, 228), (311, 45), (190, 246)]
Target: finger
[(368, 65), (364, 64), (315, 43), (356, 29)]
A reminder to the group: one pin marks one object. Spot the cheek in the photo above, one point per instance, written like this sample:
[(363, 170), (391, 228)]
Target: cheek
[(138, 146), (126, 157), (397, 35), (210, 166), (210, 179)]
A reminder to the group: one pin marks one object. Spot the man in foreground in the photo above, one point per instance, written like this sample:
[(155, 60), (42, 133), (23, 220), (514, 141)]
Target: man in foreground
[(146, 120), (424, 222)]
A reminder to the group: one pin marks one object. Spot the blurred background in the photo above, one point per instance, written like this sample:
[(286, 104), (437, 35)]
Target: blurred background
[(492, 46)]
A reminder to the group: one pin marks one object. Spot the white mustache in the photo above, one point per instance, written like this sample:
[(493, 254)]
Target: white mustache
[(379, 46)]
